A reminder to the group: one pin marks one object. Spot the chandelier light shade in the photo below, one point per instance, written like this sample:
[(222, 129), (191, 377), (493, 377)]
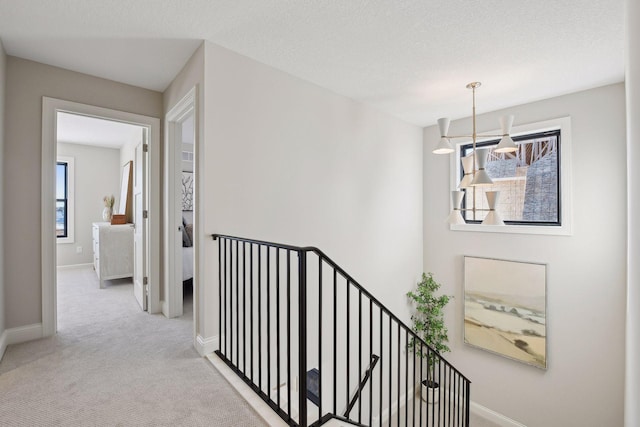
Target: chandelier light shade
[(467, 168), (481, 177), (474, 166), (506, 144), (455, 217), (444, 146), (492, 218)]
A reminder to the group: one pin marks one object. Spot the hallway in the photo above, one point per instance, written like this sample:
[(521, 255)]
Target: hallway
[(112, 364)]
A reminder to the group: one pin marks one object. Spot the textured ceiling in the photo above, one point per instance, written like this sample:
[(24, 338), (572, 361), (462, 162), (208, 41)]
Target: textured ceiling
[(410, 58)]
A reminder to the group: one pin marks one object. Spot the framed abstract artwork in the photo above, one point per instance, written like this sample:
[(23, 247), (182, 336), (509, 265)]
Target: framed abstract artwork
[(187, 191), (505, 308)]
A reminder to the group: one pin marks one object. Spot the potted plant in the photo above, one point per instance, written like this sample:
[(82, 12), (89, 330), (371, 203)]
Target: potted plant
[(428, 324)]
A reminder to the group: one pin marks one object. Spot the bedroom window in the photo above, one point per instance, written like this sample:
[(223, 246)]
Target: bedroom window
[(64, 199)]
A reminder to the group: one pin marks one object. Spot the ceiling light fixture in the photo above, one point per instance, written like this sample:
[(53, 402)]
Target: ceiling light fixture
[(474, 166)]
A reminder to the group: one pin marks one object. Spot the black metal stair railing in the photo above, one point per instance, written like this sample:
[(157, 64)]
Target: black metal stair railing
[(315, 345)]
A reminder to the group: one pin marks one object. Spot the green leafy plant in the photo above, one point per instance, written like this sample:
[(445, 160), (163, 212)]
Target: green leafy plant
[(428, 322)]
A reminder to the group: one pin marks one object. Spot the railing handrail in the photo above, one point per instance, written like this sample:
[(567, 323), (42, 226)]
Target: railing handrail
[(349, 279)]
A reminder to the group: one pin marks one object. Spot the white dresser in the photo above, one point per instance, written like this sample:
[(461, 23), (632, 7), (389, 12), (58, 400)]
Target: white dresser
[(112, 251)]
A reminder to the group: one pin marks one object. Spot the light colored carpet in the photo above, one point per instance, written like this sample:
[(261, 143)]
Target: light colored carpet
[(113, 365)]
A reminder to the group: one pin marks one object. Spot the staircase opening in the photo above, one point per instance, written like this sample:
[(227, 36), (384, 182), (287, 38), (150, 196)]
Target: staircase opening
[(316, 346)]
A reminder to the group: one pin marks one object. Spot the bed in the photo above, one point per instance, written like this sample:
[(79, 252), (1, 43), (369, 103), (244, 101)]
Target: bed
[(187, 246)]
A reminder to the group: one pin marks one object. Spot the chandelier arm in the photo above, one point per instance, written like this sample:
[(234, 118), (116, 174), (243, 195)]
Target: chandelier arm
[(480, 135), (472, 209)]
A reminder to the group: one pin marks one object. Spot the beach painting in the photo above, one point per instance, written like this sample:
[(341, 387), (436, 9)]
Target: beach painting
[(505, 308)]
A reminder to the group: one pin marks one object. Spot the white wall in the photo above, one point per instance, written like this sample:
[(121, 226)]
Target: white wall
[(287, 161), (632, 82), (97, 174), (27, 83), (583, 385), (3, 66), (192, 75)]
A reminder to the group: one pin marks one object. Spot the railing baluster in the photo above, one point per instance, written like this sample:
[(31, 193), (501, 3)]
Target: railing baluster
[(231, 301), (289, 333), (370, 356), (268, 321), (220, 294), (244, 307), (278, 324), (226, 281), (453, 394), (335, 334), (414, 378), (302, 336), (359, 355), (251, 308), (399, 363), (348, 395), (406, 379), (390, 369), (320, 370), (260, 351), (421, 355), (237, 305)]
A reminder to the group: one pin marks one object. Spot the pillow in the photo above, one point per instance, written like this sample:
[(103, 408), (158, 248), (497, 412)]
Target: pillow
[(186, 240)]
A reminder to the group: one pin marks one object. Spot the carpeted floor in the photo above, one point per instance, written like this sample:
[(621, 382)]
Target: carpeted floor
[(113, 365)]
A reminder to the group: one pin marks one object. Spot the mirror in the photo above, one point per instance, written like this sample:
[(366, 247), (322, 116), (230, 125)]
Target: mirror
[(125, 190)]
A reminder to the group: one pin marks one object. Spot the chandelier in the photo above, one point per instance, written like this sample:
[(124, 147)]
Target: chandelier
[(474, 166)]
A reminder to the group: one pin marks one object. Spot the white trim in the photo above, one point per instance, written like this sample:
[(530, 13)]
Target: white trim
[(74, 266), (24, 333), (562, 123), (206, 346), (50, 106), (3, 344), (493, 416), (185, 108), (394, 407), (71, 206), (260, 406)]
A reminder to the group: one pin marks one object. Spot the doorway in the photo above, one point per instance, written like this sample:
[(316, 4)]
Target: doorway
[(181, 243), (151, 130), (93, 182)]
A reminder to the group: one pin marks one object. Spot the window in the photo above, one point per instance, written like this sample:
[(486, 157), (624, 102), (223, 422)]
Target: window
[(528, 181), (534, 182), (64, 200)]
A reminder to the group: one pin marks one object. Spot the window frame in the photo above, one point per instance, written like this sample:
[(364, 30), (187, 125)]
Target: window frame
[(564, 227), (70, 186)]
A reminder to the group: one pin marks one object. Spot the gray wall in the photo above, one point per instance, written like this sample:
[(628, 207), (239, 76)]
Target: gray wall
[(3, 74), (27, 83), (97, 174), (585, 272)]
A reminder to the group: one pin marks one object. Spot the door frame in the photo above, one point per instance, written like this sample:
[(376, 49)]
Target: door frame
[(50, 108), (184, 108)]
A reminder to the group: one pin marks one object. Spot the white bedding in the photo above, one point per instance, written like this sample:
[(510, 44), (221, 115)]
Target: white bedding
[(187, 263)]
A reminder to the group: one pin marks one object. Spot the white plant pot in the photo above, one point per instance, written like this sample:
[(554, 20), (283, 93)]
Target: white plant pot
[(430, 394)]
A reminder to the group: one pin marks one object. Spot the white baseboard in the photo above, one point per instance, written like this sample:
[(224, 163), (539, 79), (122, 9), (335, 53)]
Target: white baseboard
[(493, 416), (74, 266), (206, 346), (23, 334), (165, 308), (3, 344)]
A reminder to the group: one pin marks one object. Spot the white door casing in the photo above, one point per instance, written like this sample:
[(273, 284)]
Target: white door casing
[(50, 108), (140, 252), (183, 110)]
